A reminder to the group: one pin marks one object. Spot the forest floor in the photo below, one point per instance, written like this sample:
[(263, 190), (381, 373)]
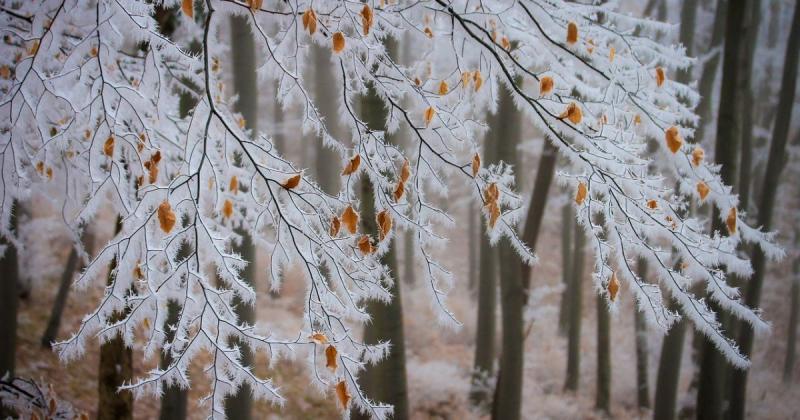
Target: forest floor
[(439, 359)]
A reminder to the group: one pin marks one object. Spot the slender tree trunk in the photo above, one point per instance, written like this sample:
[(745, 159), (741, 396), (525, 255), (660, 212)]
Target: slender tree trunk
[(775, 163), (711, 376), (748, 102), (688, 25), (115, 369), (794, 313), (575, 313), (472, 227), (409, 275), (385, 381), (669, 368), (327, 165), (603, 399), (709, 72), (642, 351), (9, 302), (567, 219), (245, 83)]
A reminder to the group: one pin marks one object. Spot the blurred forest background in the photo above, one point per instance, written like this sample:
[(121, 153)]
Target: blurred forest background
[(580, 361)]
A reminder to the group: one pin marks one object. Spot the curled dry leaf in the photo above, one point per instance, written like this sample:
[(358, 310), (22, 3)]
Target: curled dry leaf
[(138, 274), (350, 220), (660, 76), (613, 287), (572, 32), (443, 88), (505, 43), (703, 190), (331, 358), (405, 171), (187, 7), (255, 4), (466, 78), (166, 217), (342, 394), (152, 172), (673, 139), (5, 72), (580, 195), (336, 225), (227, 209), (637, 119), (292, 182), (478, 79), (310, 21), (494, 214), (476, 164), (385, 222), (652, 204), (730, 221), (491, 194), (399, 190), (352, 165), (612, 52), (573, 113), (365, 245), (108, 146), (428, 115), (318, 338), (698, 154), (233, 185), (546, 85), (366, 19), (428, 32), (338, 42)]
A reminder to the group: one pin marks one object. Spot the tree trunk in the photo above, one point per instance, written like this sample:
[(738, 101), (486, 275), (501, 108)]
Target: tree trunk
[(575, 312), (642, 352), (115, 369), (409, 275), (567, 218), (326, 85), (688, 26), (245, 84), (385, 381), (603, 401), (775, 163), (9, 301), (791, 339), (472, 228), (669, 369), (748, 101), (709, 73)]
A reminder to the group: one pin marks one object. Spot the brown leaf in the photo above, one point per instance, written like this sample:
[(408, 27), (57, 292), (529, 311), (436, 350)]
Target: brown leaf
[(466, 78), (233, 185), (318, 338), (730, 221), (187, 7), (428, 115), (580, 196), (505, 43), (350, 220), (138, 274), (384, 220), (365, 245), (673, 139), (5, 72), (428, 32), (637, 119), (612, 52), (613, 287), (166, 217), (405, 171), (338, 42), (352, 165), (660, 76), (652, 204), (572, 32), (152, 173), (494, 214), (310, 21), (108, 146), (292, 182), (546, 85), (443, 88), (698, 154), (342, 394), (399, 190), (227, 209), (336, 225), (703, 190), (255, 4), (366, 19), (476, 164), (491, 194), (331, 359), (573, 113), (478, 79)]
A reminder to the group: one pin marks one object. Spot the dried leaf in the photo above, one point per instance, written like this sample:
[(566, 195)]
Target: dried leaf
[(491, 194), (580, 196), (476, 164), (546, 85), (365, 245), (428, 115), (573, 113), (40, 167), (405, 171), (366, 19), (478, 79), (255, 4), (660, 76), (637, 119), (338, 42), (572, 32), (108, 146), (318, 338), (428, 32), (673, 139), (443, 88), (350, 220), (166, 217), (652, 204), (612, 52), (494, 214), (466, 77), (187, 6), (233, 185), (342, 394), (227, 209), (698, 154), (5, 72), (703, 190), (138, 274), (352, 165), (292, 182), (331, 358), (730, 221), (310, 21), (336, 225), (152, 173), (384, 220), (399, 190), (505, 43), (613, 287)]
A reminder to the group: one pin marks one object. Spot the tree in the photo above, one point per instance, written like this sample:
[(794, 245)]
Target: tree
[(794, 314), (566, 265), (603, 400), (121, 145), (775, 163), (9, 303), (642, 350), (575, 289)]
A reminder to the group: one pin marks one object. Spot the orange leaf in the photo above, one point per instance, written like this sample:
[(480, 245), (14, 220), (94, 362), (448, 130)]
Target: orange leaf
[(637, 119), (730, 221), (5, 72), (494, 214), (428, 32), (292, 182), (365, 245), (573, 113), (187, 6), (310, 21), (476, 164), (612, 52), (166, 217), (652, 204), (342, 394), (443, 88), (613, 287), (384, 220), (466, 77), (227, 209), (505, 43), (580, 196), (366, 19), (336, 225), (318, 338), (698, 154), (572, 32), (399, 190), (660, 76), (233, 186), (405, 171), (673, 139), (331, 360), (352, 165), (491, 194), (428, 115), (338, 42), (108, 146), (703, 190), (255, 4), (478, 79), (546, 85), (350, 219)]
